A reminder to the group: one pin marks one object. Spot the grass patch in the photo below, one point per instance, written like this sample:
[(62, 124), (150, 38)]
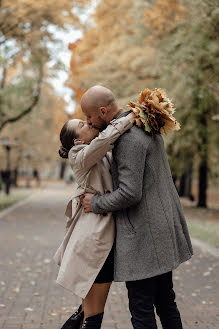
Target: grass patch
[(203, 224), (15, 196), (205, 231)]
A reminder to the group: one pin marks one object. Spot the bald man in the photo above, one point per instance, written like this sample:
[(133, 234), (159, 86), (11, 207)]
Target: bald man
[(100, 107), (152, 237)]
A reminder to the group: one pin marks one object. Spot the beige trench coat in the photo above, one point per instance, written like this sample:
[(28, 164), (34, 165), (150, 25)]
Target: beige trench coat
[(89, 237)]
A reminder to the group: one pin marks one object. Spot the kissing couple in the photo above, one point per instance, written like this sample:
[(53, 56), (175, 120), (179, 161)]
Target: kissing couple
[(125, 222)]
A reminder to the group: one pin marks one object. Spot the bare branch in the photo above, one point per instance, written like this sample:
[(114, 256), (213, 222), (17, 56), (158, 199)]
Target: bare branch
[(30, 108), (4, 73), (6, 31)]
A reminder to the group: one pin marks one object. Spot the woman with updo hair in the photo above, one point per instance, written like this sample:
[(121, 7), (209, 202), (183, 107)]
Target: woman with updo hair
[(67, 137), (85, 255)]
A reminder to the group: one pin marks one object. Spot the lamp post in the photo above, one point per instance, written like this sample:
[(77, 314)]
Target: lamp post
[(6, 174)]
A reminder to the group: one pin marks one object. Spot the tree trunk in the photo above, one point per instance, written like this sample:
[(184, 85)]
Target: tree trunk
[(202, 186), (188, 182), (182, 185), (203, 165), (185, 185)]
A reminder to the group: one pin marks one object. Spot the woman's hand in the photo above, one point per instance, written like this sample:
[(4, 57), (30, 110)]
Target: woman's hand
[(131, 116)]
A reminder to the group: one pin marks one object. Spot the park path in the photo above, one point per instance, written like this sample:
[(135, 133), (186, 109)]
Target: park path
[(30, 298)]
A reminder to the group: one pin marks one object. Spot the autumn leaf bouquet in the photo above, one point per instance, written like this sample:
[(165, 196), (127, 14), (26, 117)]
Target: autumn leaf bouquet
[(154, 112)]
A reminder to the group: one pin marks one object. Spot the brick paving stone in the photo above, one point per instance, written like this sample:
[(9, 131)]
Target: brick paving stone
[(30, 298)]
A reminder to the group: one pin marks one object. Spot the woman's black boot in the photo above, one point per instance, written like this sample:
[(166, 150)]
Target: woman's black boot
[(75, 320), (93, 322)]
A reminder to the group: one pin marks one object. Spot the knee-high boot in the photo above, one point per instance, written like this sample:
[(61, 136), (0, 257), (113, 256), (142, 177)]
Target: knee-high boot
[(93, 322), (75, 320)]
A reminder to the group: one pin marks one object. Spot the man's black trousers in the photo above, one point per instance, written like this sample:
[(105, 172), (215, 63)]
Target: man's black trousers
[(156, 292)]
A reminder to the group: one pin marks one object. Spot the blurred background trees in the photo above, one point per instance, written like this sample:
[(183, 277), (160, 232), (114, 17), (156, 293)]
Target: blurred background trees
[(125, 46), (25, 36), (30, 110), (170, 44), (188, 56)]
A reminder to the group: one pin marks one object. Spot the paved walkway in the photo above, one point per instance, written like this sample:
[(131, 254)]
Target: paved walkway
[(30, 298)]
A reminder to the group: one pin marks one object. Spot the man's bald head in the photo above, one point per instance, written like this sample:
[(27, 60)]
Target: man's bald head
[(97, 96), (99, 105)]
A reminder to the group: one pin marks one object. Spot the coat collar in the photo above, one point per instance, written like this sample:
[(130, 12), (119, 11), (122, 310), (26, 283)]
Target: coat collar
[(123, 114)]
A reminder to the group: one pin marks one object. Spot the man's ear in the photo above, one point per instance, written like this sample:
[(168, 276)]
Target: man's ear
[(103, 110)]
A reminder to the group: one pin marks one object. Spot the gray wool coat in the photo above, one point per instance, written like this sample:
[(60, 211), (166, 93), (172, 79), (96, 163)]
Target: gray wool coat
[(152, 237)]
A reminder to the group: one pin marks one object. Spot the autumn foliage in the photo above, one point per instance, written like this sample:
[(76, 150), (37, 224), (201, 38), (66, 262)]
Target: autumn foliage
[(154, 112), (172, 45)]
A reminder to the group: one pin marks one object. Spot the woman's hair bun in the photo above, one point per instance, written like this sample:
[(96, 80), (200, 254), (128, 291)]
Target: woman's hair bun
[(63, 152)]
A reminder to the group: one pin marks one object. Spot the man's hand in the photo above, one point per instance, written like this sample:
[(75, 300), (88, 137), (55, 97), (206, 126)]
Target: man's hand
[(86, 201)]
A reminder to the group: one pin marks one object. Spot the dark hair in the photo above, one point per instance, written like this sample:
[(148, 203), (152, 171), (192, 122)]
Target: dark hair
[(67, 137)]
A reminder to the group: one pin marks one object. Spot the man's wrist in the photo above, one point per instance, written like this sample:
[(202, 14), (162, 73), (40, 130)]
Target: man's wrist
[(92, 203)]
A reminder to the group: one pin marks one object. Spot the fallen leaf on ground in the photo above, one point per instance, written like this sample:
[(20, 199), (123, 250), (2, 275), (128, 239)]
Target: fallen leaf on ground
[(29, 309), (206, 273), (26, 269)]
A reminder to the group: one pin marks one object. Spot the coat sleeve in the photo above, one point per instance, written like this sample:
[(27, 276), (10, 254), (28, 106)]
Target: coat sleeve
[(130, 155), (97, 149)]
